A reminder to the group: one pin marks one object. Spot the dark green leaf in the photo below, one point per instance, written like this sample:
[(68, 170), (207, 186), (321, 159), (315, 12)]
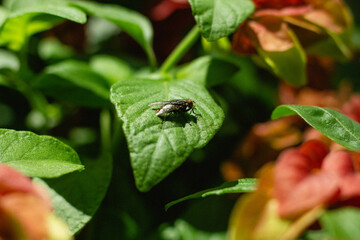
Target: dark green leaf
[(289, 65), (74, 82), (37, 156), (343, 223), (239, 186), (331, 123), (77, 196), (219, 18), (157, 148), (131, 22), (208, 70)]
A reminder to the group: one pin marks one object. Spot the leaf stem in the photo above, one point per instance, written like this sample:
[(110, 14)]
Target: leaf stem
[(181, 49), (105, 131)]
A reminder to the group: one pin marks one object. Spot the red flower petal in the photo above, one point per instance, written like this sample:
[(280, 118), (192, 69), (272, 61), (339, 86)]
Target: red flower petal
[(317, 189), (339, 164)]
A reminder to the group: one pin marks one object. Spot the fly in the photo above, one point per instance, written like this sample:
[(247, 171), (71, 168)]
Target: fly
[(174, 106)]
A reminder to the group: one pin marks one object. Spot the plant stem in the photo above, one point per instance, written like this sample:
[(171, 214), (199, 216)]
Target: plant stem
[(105, 131), (181, 49)]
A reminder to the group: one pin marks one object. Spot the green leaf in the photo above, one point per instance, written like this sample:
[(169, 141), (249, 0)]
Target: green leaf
[(111, 68), (52, 49), (335, 46), (156, 148), (239, 186), (220, 18), (289, 65), (8, 60), (131, 22), (76, 197), (75, 82), (26, 18), (208, 70), (58, 8), (343, 223), (182, 230), (331, 123), (37, 156)]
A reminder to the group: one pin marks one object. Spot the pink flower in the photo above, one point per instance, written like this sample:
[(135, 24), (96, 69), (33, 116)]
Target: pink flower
[(311, 176), (25, 209)]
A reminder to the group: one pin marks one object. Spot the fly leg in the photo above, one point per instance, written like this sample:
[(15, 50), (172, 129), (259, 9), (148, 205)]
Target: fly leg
[(197, 114)]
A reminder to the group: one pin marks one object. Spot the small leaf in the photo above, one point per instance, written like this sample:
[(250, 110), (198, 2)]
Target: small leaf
[(37, 156), (239, 186), (289, 64), (75, 82), (331, 123), (76, 197), (220, 18), (157, 148), (343, 223), (208, 70), (131, 22)]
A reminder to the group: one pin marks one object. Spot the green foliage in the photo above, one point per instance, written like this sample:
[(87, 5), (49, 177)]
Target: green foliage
[(343, 223), (131, 22), (289, 65), (182, 230), (156, 147), (63, 84), (331, 123), (75, 82), (239, 186), (76, 197), (25, 18), (111, 68), (208, 70), (37, 156), (220, 18)]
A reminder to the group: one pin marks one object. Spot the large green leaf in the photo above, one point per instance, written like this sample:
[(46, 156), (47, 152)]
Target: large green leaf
[(343, 223), (239, 186), (156, 147), (131, 22), (75, 82), (219, 18), (331, 123), (76, 197), (37, 156)]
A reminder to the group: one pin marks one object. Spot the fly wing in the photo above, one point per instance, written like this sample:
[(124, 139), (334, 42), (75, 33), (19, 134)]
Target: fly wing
[(159, 103), (178, 101)]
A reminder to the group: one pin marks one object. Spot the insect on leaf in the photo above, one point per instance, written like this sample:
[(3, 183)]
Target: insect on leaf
[(157, 148)]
